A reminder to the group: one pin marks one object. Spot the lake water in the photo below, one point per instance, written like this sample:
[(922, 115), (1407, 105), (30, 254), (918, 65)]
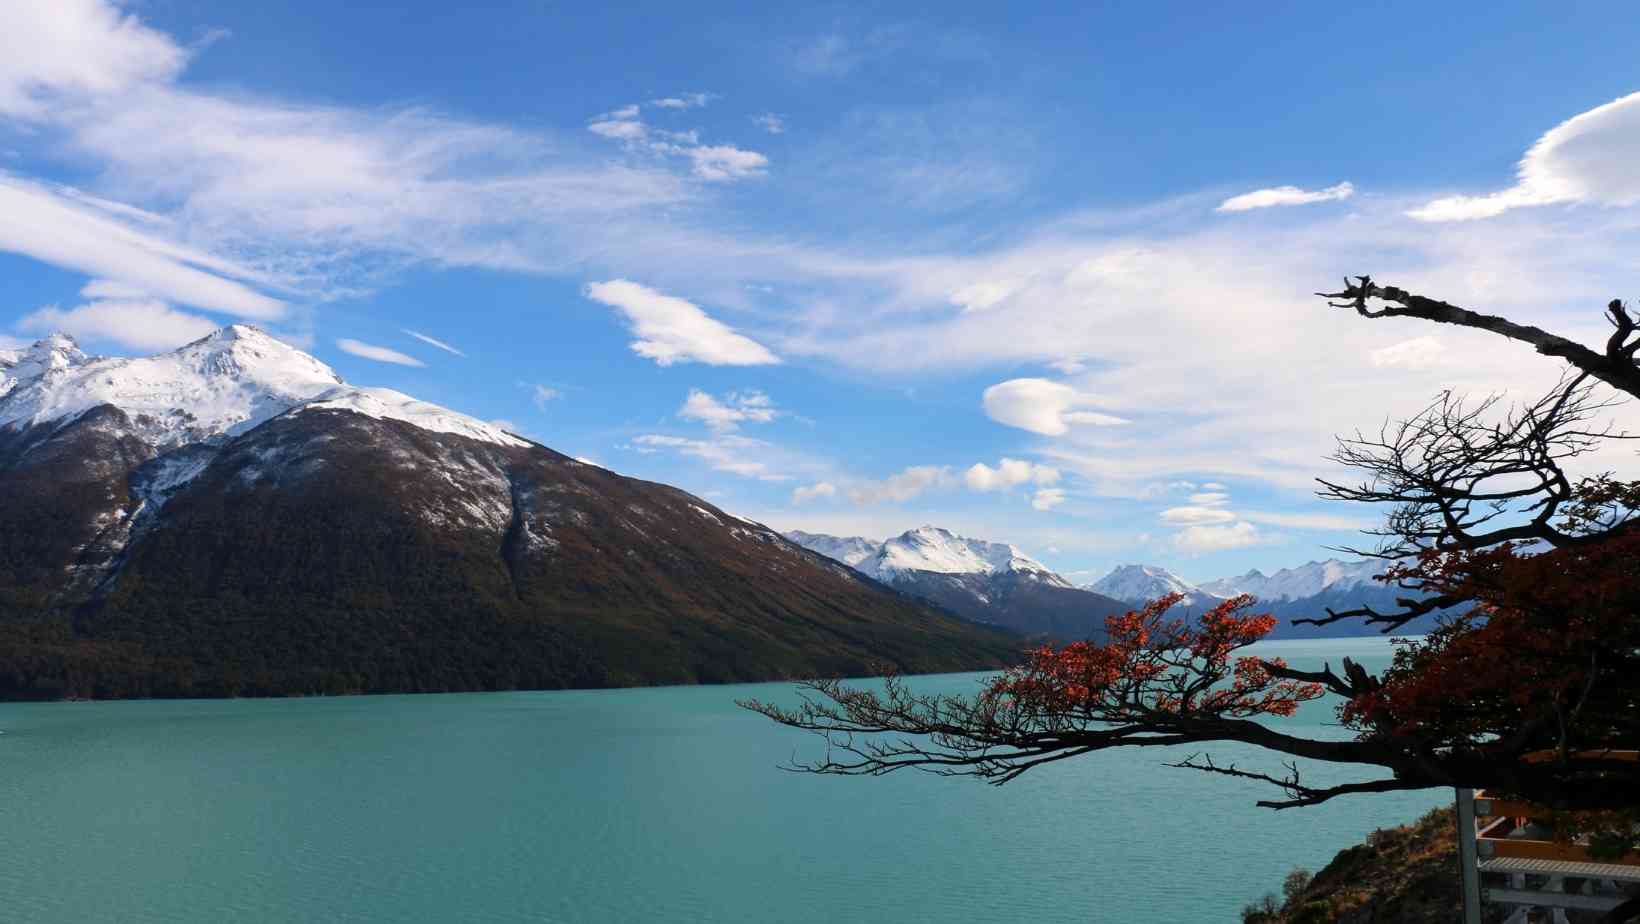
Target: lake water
[(625, 805)]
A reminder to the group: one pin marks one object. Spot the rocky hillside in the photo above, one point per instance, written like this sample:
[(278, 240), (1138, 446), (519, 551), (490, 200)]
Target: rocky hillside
[(1408, 875), (232, 519)]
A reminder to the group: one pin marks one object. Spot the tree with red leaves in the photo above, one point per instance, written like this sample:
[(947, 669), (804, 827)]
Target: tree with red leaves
[(1532, 690)]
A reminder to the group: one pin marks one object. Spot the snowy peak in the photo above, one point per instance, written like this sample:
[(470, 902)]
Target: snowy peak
[(1143, 583), (216, 387), (387, 404), (1303, 581), (929, 548), (850, 550), (52, 356)]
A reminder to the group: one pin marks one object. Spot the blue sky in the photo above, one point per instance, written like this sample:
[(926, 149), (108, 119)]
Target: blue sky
[(1039, 275)]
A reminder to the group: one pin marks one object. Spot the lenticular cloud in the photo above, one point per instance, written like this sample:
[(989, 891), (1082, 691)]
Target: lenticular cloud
[(1587, 158)]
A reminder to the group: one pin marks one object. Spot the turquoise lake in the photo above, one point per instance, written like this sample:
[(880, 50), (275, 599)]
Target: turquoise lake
[(660, 804)]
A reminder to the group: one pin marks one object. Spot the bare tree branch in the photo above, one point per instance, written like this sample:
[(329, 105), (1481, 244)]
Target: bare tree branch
[(1615, 365)]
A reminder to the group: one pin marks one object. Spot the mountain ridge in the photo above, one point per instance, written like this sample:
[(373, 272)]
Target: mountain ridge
[(226, 520), (1302, 592), (986, 582)]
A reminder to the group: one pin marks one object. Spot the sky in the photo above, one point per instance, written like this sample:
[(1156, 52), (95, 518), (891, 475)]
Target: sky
[(1039, 274)]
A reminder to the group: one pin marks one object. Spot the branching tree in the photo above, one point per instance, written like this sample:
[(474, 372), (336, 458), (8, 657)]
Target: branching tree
[(1532, 689)]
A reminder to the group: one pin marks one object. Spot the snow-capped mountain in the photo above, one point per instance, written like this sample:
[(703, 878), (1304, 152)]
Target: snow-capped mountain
[(1143, 583), (850, 550), (929, 548), (1305, 592), (1306, 580), (231, 518), (989, 582), (1140, 583), (216, 387)]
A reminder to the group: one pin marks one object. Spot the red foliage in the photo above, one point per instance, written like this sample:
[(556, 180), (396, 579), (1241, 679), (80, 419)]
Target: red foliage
[(1152, 665), (1546, 629)]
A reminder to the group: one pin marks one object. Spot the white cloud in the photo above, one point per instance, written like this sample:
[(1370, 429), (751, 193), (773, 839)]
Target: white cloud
[(724, 162), (1284, 195), (771, 123), (1587, 158), (108, 288), (1328, 521), (142, 324), (1212, 486), (1197, 539), (541, 395), (1195, 515), (1042, 406), (1047, 499), (430, 341), (672, 330), (986, 293), (1009, 473), (684, 101), (727, 453), (819, 489), (900, 487), (63, 53), (380, 354), (1210, 498), (714, 163), (619, 129), (727, 415), (56, 227), (320, 200), (1417, 353)]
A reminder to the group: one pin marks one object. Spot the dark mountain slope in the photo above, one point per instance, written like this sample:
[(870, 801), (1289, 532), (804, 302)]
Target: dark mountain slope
[(1015, 601), (329, 551)]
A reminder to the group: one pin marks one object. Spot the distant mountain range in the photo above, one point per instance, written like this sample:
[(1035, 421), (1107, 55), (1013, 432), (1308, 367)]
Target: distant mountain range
[(981, 580), (987, 582), (231, 518), (1305, 592)]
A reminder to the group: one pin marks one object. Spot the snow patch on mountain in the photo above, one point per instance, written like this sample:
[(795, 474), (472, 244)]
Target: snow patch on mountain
[(1143, 583), (207, 391), (929, 548), (1306, 580), (385, 403), (850, 550)]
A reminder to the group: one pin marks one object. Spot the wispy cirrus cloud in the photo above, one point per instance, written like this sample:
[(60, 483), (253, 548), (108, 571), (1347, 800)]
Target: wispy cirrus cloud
[(543, 395), (716, 163), (728, 414), (737, 455), (1284, 195), (433, 342), (814, 491), (380, 354), (682, 101), (275, 199), (902, 486), (145, 324), (62, 227)]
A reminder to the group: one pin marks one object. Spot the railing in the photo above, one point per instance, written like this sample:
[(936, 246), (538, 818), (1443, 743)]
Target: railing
[(1485, 845)]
